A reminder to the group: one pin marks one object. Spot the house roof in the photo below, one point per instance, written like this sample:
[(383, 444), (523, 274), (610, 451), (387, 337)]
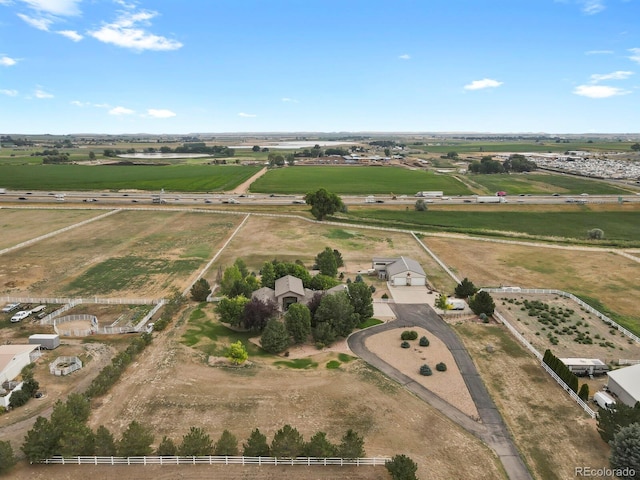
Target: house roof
[(9, 352), (404, 264), (287, 284), (264, 294), (629, 379)]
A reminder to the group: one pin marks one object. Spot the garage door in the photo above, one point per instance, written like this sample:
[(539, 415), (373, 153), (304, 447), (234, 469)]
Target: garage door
[(399, 281), (417, 281)]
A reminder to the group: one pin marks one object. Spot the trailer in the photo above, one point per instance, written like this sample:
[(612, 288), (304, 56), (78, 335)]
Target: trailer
[(585, 366), (603, 400), (456, 304), (47, 341), (430, 193), (490, 200)]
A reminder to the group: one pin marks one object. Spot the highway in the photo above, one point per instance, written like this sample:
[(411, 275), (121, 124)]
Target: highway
[(192, 199)]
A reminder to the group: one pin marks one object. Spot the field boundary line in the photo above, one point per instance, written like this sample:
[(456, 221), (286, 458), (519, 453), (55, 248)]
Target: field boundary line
[(57, 232), (436, 258), (217, 460)]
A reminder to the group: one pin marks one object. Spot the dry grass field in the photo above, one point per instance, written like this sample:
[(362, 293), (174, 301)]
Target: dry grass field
[(131, 253)]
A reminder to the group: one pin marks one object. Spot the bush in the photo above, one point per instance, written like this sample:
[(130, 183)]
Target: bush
[(424, 342), (405, 345), (385, 296), (441, 367), (409, 335), (426, 370)]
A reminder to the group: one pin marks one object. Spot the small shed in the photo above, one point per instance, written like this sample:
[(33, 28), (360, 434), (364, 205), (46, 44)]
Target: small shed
[(586, 366), (625, 384), (406, 271), (48, 341)]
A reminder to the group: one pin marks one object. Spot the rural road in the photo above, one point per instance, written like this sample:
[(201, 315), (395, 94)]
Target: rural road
[(492, 430)]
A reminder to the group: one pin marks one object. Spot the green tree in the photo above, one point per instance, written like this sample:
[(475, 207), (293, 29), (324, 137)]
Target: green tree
[(237, 353), (465, 289), (200, 290), (336, 310), (452, 155), (297, 320), (256, 148), (401, 467), (42, 441), (442, 302), (339, 259), (231, 310), (77, 440), (196, 443), (611, 420), (595, 234), (230, 276), (584, 392), (256, 445), (79, 406), (351, 446), (625, 451), (227, 444), (268, 275), (361, 300), (635, 147), (7, 458), (92, 155), (287, 442), (105, 444), (326, 262), (421, 205), (323, 203), (275, 338), (167, 448), (324, 334), (319, 446), (482, 302), (136, 441), (323, 282)]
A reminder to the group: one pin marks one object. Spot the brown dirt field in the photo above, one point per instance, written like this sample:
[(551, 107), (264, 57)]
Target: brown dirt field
[(611, 278), (447, 385), (20, 225), (171, 388), (47, 267), (553, 434), (567, 347)]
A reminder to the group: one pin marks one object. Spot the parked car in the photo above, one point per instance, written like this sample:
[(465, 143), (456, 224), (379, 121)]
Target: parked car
[(18, 317), (10, 307)]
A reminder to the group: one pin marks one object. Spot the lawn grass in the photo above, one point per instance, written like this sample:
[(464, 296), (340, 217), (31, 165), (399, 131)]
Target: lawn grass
[(333, 364), (298, 363), (356, 181), (620, 224), (369, 323), (540, 183), (178, 178)]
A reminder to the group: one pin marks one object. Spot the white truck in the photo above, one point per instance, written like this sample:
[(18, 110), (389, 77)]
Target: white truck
[(430, 193), (370, 199), (603, 400), (490, 199)]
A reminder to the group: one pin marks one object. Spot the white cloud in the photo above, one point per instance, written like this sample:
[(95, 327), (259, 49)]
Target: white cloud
[(484, 83), (599, 52), (125, 32), (289, 100), (635, 54), (247, 115), (39, 93), (9, 93), (121, 111), (619, 75), (591, 7), (599, 91), (406, 56), (39, 23), (55, 7), (160, 113), (70, 34), (7, 61)]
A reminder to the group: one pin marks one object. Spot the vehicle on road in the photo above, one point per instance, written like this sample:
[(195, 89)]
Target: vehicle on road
[(10, 307), (18, 317), (21, 198), (299, 202)]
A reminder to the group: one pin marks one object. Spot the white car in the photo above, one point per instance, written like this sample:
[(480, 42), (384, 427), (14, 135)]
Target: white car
[(10, 307), (21, 315)]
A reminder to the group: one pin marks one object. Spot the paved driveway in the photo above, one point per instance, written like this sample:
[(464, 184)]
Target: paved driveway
[(412, 295)]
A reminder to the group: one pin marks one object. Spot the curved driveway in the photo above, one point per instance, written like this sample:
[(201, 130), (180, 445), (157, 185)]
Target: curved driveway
[(492, 430)]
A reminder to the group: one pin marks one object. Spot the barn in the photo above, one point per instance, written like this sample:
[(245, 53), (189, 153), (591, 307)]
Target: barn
[(13, 358), (402, 271), (625, 384)]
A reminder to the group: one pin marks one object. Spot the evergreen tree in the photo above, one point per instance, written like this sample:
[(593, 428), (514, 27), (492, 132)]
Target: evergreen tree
[(136, 441), (465, 289), (196, 443), (401, 467), (105, 444), (275, 338), (352, 445), (361, 300), (237, 353), (256, 445), (227, 444), (268, 275), (584, 392), (287, 442), (625, 451), (482, 302), (319, 446), (7, 458), (200, 290), (41, 442), (297, 320), (326, 262), (167, 448)]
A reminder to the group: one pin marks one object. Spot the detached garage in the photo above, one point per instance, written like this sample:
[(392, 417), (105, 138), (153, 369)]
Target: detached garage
[(401, 271), (625, 384)]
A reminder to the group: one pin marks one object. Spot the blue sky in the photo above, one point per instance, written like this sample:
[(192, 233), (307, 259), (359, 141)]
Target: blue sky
[(164, 66)]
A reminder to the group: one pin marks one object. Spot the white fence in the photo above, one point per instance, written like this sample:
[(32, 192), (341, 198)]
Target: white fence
[(217, 460), (584, 305), (73, 364), (623, 361)]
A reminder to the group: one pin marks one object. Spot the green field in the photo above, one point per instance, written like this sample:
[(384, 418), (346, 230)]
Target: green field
[(525, 146), (617, 225), (539, 183), (177, 178), (356, 181)]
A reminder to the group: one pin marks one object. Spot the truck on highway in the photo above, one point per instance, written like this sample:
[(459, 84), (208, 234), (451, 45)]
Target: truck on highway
[(491, 199), (3, 190), (430, 193)]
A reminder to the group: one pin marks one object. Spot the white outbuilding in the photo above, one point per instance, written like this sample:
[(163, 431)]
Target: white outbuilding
[(625, 384), (400, 271)]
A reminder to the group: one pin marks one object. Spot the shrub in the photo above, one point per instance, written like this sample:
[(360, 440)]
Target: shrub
[(385, 296), (405, 345), (424, 342), (426, 370), (441, 367), (409, 335)]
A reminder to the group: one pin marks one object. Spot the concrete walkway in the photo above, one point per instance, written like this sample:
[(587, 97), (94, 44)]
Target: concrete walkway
[(492, 430)]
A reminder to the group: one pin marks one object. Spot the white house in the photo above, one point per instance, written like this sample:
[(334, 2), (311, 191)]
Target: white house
[(13, 358), (400, 271), (625, 384)]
